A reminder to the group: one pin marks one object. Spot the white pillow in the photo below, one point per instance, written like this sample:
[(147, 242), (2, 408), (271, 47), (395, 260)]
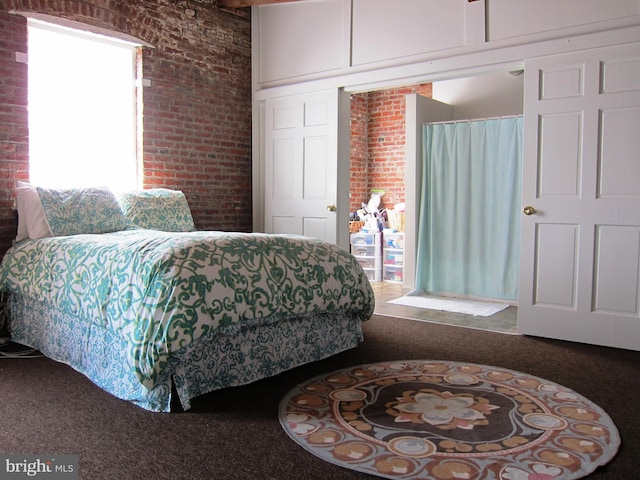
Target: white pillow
[(31, 220)]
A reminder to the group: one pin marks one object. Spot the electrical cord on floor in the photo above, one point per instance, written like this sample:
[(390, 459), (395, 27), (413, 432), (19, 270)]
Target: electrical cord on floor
[(9, 349), (28, 352)]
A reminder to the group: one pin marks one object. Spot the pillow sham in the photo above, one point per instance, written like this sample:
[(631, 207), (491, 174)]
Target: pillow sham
[(158, 209), (83, 210), (31, 220)]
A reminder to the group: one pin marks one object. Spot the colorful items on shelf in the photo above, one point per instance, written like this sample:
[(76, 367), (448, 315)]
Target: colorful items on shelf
[(393, 257), (366, 247)]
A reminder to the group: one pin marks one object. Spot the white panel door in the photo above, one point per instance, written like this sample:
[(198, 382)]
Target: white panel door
[(306, 167), (580, 241)]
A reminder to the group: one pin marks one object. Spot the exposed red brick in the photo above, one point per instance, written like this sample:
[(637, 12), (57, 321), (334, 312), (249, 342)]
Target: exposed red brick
[(378, 144)]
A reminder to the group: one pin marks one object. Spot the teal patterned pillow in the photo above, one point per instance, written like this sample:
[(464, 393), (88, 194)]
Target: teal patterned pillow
[(82, 210), (158, 209)]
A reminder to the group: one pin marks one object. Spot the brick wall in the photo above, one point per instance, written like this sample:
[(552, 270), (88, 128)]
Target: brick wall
[(359, 171), (14, 148), (383, 138), (197, 111)]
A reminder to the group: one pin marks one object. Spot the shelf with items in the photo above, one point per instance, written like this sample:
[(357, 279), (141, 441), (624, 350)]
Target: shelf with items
[(374, 273), (394, 240), (367, 249), (393, 273), (393, 257), (366, 238)]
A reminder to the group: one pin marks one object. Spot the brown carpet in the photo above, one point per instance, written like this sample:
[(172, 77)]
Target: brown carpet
[(46, 407)]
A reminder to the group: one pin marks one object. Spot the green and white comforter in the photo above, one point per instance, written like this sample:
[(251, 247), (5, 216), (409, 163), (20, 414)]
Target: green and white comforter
[(163, 291)]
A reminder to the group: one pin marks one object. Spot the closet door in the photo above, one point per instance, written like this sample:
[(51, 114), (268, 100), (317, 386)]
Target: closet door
[(580, 236), (307, 166)]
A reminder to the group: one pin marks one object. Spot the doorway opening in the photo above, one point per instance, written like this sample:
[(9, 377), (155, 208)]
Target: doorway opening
[(380, 151)]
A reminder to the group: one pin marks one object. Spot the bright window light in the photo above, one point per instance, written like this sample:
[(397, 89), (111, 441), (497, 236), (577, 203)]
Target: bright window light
[(82, 109)]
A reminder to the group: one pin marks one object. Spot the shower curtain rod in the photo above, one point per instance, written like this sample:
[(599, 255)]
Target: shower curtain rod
[(473, 120)]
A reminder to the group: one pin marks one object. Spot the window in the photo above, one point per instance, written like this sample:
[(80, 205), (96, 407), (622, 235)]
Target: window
[(82, 109)]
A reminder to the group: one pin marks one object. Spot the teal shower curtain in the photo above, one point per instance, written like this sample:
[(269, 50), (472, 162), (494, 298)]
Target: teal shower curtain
[(469, 219)]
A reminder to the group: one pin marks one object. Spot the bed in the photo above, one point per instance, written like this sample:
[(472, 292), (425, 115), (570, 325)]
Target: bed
[(151, 313)]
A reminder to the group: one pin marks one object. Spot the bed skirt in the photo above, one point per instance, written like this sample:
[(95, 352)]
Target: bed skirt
[(216, 362)]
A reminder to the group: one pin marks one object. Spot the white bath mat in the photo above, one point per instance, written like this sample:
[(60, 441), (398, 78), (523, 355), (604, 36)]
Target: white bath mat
[(454, 305)]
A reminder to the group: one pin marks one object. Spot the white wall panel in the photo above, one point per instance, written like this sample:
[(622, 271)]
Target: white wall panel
[(350, 42), (298, 38), (516, 18), (384, 30)]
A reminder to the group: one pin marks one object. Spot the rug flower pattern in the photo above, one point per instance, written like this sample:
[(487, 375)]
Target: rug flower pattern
[(448, 420), (441, 408)]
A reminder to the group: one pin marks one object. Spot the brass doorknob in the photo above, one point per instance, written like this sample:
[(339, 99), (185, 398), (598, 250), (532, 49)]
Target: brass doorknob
[(528, 210), (331, 207)]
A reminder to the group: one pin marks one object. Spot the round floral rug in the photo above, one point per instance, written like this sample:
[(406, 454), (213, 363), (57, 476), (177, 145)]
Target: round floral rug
[(448, 420)]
